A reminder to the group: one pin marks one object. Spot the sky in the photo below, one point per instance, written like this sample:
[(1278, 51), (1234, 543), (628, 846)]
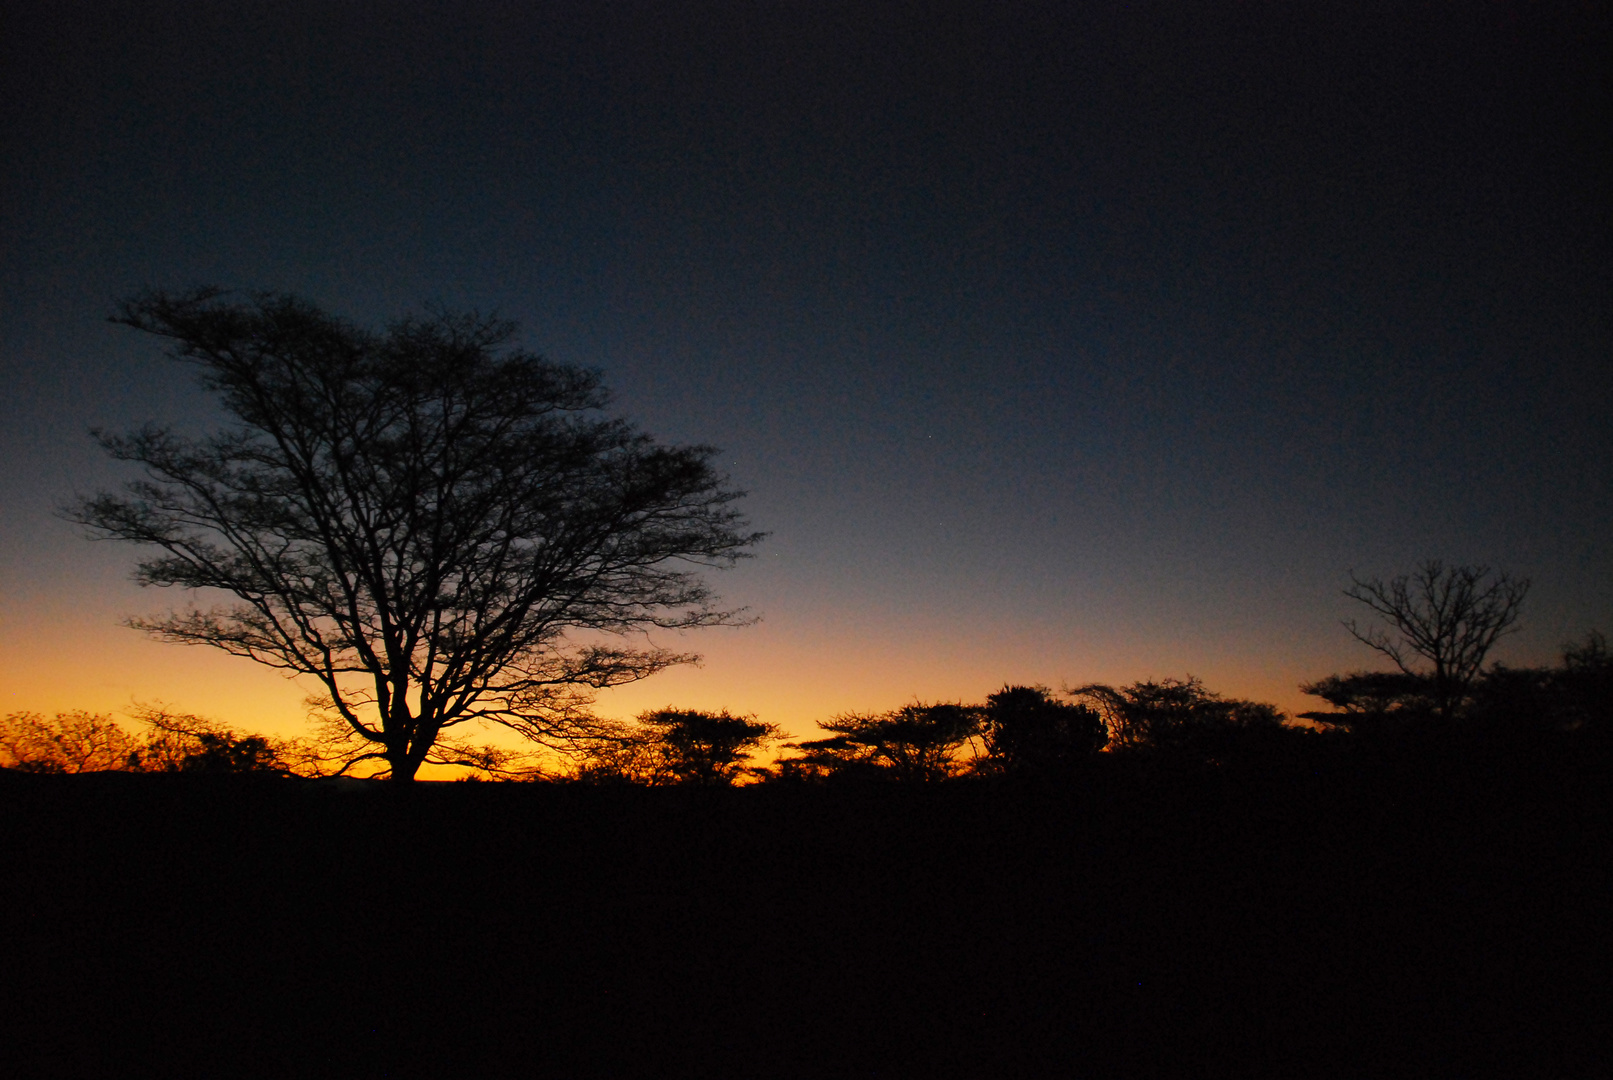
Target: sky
[(1054, 343)]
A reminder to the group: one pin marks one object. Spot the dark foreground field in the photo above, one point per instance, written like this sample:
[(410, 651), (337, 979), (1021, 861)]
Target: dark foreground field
[(1362, 917)]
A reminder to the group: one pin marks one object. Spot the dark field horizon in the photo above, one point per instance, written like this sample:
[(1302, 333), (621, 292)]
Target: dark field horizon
[(1353, 913)]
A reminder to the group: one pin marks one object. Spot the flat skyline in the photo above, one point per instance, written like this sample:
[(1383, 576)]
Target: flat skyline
[(1052, 346)]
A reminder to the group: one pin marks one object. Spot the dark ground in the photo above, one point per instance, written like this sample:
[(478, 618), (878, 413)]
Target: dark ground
[(1359, 916)]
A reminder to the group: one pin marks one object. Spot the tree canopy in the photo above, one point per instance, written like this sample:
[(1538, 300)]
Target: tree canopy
[(436, 526), (1028, 730), (915, 743), (1180, 716), (703, 748)]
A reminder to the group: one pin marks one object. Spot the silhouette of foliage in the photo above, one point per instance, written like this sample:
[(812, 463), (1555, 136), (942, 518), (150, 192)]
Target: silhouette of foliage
[(77, 742), (68, 742), (1027, 731), (1574, 696), (1586, 682), (913, 744), (617, 753), (180, 742), (705, 749), (838, 757), (1372, 701), (1447, 618), (674, 746), (436, 527), (1179, 715)]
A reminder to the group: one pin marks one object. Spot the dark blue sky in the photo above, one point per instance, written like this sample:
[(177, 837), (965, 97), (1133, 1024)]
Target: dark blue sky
[(1055, 342)]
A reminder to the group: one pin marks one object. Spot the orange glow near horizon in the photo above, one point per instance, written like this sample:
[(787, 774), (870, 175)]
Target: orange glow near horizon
[(806, 661), (783, 671)]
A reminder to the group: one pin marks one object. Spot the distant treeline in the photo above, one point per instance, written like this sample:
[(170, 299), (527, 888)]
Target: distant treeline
[(1019, 731)]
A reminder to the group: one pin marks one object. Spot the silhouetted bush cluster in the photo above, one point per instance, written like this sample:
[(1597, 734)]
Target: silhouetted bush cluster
[(81, 742), (1018, 732)]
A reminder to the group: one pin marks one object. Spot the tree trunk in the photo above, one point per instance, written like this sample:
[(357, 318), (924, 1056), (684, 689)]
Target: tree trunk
[(404, 765)]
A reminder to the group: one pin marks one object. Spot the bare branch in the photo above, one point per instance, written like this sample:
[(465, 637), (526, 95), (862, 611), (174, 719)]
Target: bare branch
[(1441, 622)]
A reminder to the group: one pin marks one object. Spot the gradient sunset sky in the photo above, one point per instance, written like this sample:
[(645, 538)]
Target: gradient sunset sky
[(1055, 342)]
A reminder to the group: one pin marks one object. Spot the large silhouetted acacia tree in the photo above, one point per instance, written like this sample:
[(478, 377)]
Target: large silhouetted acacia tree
[(437, 527), (1445, 617)]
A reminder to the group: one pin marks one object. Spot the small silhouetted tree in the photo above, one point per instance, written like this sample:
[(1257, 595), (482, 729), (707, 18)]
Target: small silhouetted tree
[(701, 748), (1027, 730), (914, 744), (1372, 701), (837, 757), (436, 527), (1440, 623), (1179, 716)]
